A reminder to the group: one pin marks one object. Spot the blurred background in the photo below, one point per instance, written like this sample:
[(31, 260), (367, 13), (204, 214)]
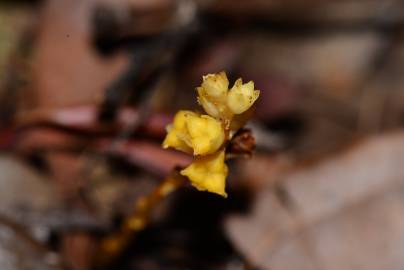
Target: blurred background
[(87, 88)]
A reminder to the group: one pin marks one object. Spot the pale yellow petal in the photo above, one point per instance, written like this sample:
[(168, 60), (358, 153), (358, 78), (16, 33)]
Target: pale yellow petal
[(209, 107)]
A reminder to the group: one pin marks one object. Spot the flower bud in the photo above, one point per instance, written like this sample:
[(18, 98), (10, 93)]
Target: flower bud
[(208, 173), (213, 93), (206, 134), (190, 132), (241, 96), (215, 85)]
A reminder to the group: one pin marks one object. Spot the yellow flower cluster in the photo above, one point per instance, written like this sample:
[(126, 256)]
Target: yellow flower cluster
[(222, 103), (204, 136)]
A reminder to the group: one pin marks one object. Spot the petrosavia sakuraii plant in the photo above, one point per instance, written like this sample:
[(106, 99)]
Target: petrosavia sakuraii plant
[(205, 136)]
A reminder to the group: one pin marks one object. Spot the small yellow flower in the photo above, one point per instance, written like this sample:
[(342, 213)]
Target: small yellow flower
[(241, 96), (208, 173), (213, 93), (215, 85), (206, 134), (190, 132)]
